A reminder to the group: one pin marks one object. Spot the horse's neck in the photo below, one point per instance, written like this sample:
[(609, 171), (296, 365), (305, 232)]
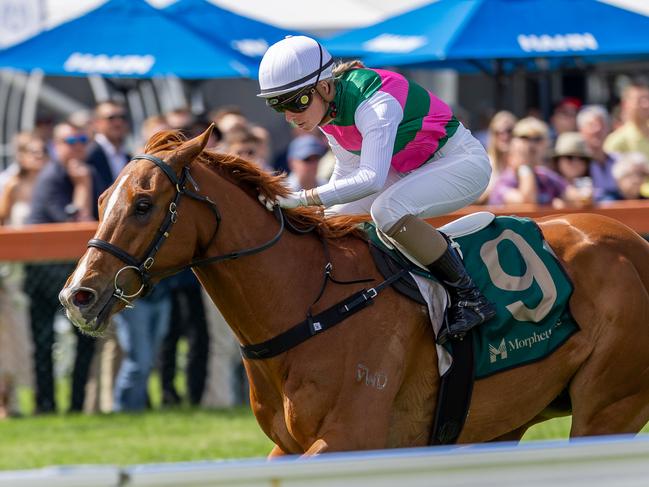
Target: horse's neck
[(260, 294)]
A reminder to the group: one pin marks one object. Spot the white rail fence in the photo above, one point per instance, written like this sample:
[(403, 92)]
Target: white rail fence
[(609, 461)]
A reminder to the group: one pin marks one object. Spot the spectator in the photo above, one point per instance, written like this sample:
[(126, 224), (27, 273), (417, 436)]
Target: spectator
[(63, 189), (564, 117), (107, 154), (44, 128), (594, 124), (188, 319), (62, 192), (498, 141), (140, 331), (264, 136), (631, 171), (16, 364), (633, 135), (304, 154), (243, 143), (280, 161), (15, 344), (571, 159), (151, 126), (31, 156), (228, 118), (616, 117), (481, 132), (84, 120), (180, 118), (527, 179), (13, 168)]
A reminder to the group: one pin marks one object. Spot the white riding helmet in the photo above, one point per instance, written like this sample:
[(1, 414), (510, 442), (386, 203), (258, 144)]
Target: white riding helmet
[(293, 63)]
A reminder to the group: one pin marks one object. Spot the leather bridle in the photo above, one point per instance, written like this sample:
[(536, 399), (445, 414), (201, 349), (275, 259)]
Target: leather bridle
[(142, 266)]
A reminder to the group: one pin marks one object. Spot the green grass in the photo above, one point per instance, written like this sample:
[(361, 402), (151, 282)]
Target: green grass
[(173, 435), (123, 439), (158, 435)]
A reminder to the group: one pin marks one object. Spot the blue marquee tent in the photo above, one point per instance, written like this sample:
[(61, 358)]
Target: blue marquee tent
[(248, 36), (126, 38), (469, 33)]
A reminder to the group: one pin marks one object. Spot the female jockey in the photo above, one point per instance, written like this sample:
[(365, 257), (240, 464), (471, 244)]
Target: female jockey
[(401, 156)]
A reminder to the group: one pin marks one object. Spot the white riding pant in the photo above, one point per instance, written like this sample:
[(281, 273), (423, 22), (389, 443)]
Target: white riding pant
[(452, 179)]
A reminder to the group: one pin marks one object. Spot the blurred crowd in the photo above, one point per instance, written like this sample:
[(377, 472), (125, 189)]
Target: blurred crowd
[(583, 155)]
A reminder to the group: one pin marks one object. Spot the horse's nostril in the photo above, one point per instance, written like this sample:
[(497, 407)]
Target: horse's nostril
[(83, 297)]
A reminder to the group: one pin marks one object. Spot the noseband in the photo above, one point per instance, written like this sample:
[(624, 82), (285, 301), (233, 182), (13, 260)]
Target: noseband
[(143, 265)]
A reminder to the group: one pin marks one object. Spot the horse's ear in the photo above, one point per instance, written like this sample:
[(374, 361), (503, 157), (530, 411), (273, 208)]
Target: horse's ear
[(189, 150)]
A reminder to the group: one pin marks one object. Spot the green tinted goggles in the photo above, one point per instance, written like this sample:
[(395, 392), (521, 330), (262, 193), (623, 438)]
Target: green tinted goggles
[(296, 102)]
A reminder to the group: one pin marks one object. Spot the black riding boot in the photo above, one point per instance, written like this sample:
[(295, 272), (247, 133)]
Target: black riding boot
[(468, 307)]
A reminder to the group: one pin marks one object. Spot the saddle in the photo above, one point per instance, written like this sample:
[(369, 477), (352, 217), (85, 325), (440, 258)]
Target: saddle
[(389, 260)]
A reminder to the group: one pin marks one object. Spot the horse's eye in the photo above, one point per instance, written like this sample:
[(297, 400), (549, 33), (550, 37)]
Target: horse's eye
[(142, 207)]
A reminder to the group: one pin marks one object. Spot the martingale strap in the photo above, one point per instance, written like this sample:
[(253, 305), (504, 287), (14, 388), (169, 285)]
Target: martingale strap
[(317, 324)]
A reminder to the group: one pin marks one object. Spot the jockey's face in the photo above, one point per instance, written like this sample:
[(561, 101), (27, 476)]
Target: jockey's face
[(311, 117)]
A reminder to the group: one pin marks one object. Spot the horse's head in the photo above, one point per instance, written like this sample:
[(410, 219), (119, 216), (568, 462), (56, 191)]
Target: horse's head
[(137, 215)]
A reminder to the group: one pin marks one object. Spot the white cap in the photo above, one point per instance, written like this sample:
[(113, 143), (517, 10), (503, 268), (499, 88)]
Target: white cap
[(292, 63)]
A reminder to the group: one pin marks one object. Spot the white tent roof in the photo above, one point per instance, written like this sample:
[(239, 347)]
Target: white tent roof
[(305, 15), (297, 14)]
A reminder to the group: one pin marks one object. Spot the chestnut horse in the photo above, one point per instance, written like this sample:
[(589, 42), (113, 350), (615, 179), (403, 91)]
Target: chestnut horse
[(308, 400)]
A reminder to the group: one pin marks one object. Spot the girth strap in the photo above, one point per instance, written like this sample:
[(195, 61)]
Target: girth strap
[(317, 324)]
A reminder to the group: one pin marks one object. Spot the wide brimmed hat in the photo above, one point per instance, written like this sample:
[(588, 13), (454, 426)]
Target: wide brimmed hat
[(571, 144)]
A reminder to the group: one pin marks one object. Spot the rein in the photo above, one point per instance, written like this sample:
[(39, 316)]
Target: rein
[(142, 266)]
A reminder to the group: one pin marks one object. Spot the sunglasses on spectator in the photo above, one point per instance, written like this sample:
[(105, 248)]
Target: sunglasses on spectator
[(115, 116), (530, 138), (314, 159), (504, 131), (296, 102), (246, 153), (76, 139), (576, 158)]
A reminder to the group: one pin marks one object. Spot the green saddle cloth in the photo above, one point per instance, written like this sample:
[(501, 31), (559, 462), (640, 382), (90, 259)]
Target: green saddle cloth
[(517, 271)]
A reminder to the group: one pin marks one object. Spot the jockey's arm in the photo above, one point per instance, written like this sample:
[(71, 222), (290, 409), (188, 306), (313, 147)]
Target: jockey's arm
[(377, 120)]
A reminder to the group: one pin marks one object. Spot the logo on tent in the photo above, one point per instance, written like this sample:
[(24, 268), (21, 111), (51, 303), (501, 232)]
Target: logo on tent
[(250, 47), (558, 42), (105, 64), (395, 43)]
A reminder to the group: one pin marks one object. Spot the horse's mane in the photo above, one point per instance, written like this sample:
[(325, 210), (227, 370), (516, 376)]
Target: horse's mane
[(255, 180)]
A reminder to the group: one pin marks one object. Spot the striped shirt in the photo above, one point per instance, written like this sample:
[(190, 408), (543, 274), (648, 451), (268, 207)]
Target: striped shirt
[(382, 120)]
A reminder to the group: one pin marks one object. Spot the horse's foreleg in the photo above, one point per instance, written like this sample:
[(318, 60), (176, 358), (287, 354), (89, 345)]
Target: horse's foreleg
[(319, 446)]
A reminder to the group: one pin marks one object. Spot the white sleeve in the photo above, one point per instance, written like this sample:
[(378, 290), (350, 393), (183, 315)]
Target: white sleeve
[(346, 162), (377, 119)]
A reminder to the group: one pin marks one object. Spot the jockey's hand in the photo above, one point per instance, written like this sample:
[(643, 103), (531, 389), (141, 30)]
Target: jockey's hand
[(293, 200)]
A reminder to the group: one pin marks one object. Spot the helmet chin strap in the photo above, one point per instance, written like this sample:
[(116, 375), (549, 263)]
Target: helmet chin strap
[(330, 113)]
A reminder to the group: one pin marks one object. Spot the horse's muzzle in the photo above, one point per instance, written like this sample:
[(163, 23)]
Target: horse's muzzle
[(85, 309)]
